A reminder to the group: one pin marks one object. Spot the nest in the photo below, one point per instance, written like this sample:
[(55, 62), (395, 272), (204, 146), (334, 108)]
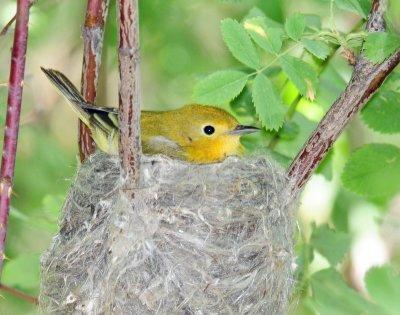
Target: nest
[(196, 239)]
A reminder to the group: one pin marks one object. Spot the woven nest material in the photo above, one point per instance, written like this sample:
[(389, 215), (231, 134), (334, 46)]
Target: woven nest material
[(197, 239)]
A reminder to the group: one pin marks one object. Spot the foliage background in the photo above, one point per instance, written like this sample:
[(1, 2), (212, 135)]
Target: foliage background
[(181, 43)]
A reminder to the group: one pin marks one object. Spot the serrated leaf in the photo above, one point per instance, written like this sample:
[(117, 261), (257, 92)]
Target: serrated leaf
[(331, 295), (382, 113), (269, 39), (384, 287), (295, 26), (318, 48), (267, 103), (373, 170), (351, 5), (239, 43), (220, 87), (380, 45), (303, 76), (330, 244), (22, 272)]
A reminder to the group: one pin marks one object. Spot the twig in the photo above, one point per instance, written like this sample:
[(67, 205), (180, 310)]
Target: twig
[(21, 295), (17, 71), (129, 91), (365, 80), (93, 33), (7, 26), (11, 21)]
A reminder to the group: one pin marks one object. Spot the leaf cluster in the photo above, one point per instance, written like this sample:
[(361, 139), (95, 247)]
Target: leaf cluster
[(262, 45)]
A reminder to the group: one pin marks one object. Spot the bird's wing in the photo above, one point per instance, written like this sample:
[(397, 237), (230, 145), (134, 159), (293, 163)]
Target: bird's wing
[(162, 144), (96, 108)]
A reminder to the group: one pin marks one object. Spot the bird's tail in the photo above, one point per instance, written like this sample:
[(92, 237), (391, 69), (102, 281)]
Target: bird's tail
[(70, 92)]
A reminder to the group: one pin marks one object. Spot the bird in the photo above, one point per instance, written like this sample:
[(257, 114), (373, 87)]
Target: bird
[(195, 133)]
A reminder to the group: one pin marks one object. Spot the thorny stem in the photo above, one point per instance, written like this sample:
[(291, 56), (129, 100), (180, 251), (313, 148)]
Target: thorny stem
[(19, 294), (366, 79), (129, 92), (14, 100), (93, 33)]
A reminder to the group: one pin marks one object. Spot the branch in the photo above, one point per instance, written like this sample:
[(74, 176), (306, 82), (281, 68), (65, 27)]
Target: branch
[(19, 294), (11, 21), (8, 25), (15, 86), (129, 91), (366, 79), (93, 33)]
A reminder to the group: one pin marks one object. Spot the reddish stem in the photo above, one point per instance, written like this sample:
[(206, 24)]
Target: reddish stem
[(19, 294), (93, 33), (366, 79), (15, 86), (129, 91)]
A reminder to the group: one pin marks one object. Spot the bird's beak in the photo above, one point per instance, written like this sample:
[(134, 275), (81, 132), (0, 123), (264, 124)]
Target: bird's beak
[(243, 130)]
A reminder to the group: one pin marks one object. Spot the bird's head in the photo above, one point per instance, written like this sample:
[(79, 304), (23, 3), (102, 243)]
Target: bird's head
[(211, 133)]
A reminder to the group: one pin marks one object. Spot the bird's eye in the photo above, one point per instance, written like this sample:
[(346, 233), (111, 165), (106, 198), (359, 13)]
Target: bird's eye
[(209, 130)]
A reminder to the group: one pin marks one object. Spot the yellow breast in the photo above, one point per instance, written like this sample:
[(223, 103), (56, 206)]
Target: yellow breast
[(215, 150)]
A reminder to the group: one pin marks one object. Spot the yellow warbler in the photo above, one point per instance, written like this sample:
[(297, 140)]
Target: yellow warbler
[(195, 133)]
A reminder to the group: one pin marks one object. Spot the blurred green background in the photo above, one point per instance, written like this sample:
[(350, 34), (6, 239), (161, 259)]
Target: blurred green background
[(180, 44)]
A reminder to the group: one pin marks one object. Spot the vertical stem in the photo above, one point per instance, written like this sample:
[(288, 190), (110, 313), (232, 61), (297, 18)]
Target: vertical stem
[(93, 33), (15, 86), (129, 91)]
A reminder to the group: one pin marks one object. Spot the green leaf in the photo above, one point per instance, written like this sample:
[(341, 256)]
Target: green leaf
[(301, 74), (318, 48), (295, 26), (384, 287), (382, 112), (220, 87), (267, 102), (380, 45), (330, 244), (373, 170), (22, 272), (269, 39), (332, 296), (351, 5), (239, 43)]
